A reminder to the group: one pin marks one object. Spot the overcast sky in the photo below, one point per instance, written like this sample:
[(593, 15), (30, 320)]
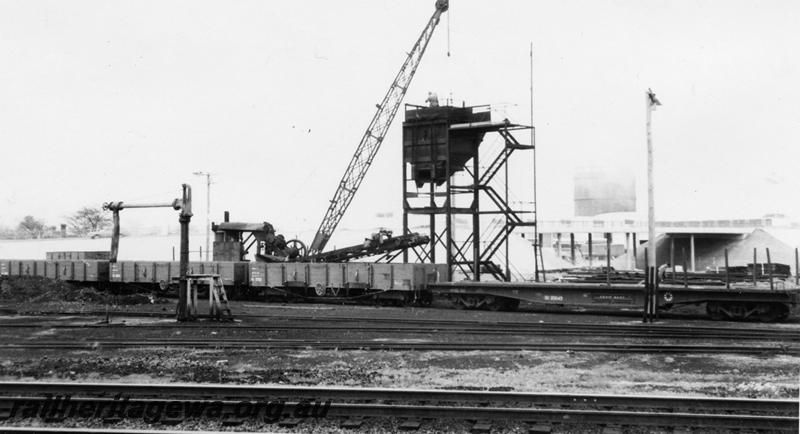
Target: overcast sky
[(123, 100)]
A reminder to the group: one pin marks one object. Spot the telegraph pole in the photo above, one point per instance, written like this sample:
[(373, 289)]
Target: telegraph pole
[(537, 248), (208, 210), (652, 103)]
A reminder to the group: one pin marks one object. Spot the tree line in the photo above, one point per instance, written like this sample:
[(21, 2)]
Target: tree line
[(81, 223)]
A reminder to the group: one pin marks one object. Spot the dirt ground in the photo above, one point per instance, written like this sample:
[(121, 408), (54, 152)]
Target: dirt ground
[(528, 371), (38, 291)]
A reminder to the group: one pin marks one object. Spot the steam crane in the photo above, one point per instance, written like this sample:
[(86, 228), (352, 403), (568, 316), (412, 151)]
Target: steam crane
[(373, 136)]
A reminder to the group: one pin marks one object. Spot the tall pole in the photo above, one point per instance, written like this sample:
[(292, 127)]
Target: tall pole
[(651, 102), (208, 215), (508, 268), (537, 247), (208, 211), (476, 222)]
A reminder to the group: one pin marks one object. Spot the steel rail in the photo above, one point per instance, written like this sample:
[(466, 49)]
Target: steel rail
[(439, 324), (259, 391), (645, 418), (401, 345), (519, 324), (406, 320), (786, 420), (484, 328), (39, 429), (427, 323)]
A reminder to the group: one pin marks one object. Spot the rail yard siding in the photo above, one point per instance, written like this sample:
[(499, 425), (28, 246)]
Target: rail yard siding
[(164, 272), (401, 277), (77, 270)]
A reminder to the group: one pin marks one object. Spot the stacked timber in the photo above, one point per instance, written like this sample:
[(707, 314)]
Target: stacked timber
[(669, 276), (602, 275)]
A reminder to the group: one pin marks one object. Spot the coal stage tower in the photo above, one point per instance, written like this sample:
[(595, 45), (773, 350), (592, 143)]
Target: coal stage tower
[(458, 187)]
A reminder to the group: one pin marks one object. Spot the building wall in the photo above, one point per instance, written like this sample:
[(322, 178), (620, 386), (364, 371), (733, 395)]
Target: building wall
[(710, 250)]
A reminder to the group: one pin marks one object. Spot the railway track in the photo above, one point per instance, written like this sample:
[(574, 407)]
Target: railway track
[(404, 325), (237, 404), (658, 338), (398, 345), (549, 330), (643, 338), (622, 315), (36, 430)]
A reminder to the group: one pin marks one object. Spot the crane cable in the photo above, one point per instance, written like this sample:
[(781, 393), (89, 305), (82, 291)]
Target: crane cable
[(450, 99)]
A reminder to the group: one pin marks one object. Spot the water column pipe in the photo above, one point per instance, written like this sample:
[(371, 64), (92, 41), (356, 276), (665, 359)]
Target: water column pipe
[(184, 205)]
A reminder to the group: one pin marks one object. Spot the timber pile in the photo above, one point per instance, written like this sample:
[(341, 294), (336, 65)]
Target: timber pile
[(668, 276)]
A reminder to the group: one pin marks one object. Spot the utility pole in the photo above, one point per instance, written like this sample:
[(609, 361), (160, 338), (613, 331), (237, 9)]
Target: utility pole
[(208, 210), (537, 247), (652, 102)]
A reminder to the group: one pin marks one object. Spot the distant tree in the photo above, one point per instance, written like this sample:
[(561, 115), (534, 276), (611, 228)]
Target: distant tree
[(30, 227), (7, 233), (51, 232), (87, 220)]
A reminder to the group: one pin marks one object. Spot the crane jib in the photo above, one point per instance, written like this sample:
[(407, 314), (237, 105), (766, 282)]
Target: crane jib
[(374, 135)]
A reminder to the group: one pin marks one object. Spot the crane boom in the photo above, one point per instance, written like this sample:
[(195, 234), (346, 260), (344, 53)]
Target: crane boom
[(373, 136)]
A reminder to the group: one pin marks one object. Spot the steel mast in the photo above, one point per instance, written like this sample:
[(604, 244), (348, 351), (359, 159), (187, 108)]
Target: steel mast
[(373, 136)]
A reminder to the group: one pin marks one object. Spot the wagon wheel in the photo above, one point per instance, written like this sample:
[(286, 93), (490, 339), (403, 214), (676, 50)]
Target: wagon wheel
[(298, 245)]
